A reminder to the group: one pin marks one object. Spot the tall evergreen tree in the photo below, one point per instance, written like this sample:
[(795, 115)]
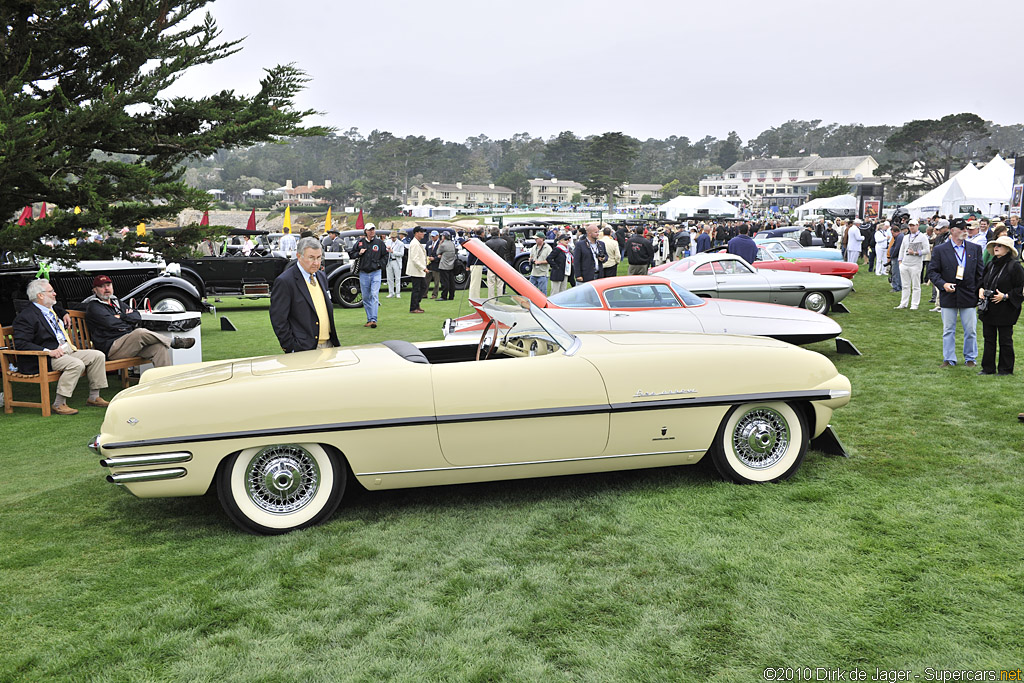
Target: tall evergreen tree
[(83, 121), (607, 162)]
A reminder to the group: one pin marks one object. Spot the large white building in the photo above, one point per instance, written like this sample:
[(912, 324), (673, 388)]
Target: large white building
[(786, 181), (460, 194)]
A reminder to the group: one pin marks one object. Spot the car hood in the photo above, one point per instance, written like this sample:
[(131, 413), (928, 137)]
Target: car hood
[(512, 277)]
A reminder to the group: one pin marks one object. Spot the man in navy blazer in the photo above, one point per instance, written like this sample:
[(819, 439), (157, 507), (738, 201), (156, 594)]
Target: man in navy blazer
[(300, 306), (956, 268), (589, 255)]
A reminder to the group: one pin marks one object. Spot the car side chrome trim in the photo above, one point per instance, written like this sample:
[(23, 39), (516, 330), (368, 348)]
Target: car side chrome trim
[(151, 459), (151, 475), (528, 462), (633, 406)]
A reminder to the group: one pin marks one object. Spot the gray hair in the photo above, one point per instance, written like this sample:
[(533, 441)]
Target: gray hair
[(308, 243), (35, 288)]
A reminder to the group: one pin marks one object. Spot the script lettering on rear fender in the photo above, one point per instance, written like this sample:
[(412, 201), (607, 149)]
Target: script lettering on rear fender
[(640, 393)]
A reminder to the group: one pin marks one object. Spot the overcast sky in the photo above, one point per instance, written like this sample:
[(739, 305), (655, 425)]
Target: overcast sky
[(648, 68)]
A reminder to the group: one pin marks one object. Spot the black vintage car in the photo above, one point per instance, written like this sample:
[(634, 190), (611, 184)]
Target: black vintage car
[(140, 280)]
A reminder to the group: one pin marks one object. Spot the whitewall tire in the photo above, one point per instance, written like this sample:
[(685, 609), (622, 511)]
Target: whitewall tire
[(760, 442), (280, 488)]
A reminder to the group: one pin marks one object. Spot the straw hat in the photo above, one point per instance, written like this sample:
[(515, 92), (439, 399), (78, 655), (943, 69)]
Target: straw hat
[(1004, 240)]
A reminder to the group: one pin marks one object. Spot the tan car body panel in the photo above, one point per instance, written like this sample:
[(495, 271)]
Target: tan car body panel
[(339, 396)]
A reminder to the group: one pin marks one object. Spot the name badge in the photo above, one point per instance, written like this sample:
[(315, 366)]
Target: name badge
[(959, 272)]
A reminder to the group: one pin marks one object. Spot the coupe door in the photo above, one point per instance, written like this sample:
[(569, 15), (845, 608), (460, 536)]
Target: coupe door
[(520, 410), (664, 312), (737, 281)]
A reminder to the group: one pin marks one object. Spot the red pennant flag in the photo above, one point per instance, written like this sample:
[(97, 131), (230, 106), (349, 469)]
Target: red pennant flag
[(26, 215), (205, 220), (359, 220), (251, 225), (42, 212)]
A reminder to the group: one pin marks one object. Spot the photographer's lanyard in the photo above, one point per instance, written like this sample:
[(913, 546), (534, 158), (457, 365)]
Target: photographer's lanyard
[(960, 251)]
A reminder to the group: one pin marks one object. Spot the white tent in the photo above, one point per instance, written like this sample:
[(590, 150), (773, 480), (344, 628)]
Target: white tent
[(988, 192), (818, 206), (691, 207)]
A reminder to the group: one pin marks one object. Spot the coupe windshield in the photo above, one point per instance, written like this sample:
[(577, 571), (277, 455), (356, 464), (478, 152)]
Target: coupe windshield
[(516, 317)]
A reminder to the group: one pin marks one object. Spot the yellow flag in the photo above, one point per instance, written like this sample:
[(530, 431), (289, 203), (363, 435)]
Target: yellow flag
[(288, 218), (73, 241), (327, 225), (78, 209), (140, 230)]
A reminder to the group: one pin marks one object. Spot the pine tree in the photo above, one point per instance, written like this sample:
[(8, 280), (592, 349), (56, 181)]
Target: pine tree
[(83, 121)]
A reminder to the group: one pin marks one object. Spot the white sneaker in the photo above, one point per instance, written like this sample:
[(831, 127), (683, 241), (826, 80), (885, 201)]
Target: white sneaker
[(896, 308), (935, 310), (389, 296)]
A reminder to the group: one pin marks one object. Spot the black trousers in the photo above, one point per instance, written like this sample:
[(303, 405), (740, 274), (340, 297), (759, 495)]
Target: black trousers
[(1003, 335), (609, 271), (419, 289), (447, 285)]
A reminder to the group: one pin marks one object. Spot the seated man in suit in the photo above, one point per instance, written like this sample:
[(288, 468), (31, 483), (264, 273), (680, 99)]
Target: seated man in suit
[(300, 307), (114, 329), (39, 328)]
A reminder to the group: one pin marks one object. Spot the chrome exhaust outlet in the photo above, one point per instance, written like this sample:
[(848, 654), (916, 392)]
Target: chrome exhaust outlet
[(148, 459), (151, 475), (94, 445)]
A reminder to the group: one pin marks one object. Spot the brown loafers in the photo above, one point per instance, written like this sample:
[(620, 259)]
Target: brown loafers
[(64, 410), (98, 402)]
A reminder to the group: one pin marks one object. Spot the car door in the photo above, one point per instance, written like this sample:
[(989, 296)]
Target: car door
[(520, 410), (649, 308), (736, 280)]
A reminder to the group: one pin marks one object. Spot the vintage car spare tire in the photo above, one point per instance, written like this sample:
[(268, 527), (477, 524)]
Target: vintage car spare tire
[(171, 300), (279, 488), (760, 442)]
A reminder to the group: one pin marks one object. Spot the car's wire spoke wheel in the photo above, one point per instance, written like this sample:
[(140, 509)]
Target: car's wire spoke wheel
[(760, 438), (760, 442), (282, 479), (281, 487)]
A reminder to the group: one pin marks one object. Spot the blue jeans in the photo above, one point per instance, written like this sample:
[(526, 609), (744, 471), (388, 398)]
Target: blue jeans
[(897, 281), (969, 321), (540, 282), (369, 286)]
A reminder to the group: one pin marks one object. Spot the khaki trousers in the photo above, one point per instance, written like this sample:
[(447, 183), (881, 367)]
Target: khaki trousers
[(557, 286), (495, 286), (476, 276), (145, 343), (72, 365)]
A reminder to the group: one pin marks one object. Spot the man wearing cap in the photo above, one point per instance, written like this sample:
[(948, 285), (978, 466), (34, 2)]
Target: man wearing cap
[(372, 255), (41, 327), (416, 269), (115, 330), (396, 252), (539, 267), (913, 251), (956, 270), (854, 238), (300, 308), (975, 234)]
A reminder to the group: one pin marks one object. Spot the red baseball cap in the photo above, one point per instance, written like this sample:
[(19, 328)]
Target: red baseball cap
[(101, 280)]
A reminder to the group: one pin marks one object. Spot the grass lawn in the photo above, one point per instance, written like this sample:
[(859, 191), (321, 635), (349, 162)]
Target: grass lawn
[(907, 555)]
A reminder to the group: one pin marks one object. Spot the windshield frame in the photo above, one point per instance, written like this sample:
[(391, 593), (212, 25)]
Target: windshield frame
[(516, 312)]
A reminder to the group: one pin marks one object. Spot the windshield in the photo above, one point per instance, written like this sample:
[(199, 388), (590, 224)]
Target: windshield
[(516, 317)]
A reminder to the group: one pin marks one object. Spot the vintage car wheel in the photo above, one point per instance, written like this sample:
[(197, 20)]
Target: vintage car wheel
[(166, 300), (818, 302), (346, 291), (760, 442), (279, 488), (523, 266), (461, 277)]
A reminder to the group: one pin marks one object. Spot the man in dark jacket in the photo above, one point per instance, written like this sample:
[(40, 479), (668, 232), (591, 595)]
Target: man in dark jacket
[(560, 261), (703, 240), (373, 256), (741, 245), (956, 269), (115, 330), (639, 253), (300, 308), (589, 255), (806, 236)]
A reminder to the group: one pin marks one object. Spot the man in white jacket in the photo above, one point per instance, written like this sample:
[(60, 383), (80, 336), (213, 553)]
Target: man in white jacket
[(853, 241), (882, 235), (913, 252)]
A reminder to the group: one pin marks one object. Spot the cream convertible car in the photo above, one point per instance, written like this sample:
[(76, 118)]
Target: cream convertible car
[(266, 433)]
